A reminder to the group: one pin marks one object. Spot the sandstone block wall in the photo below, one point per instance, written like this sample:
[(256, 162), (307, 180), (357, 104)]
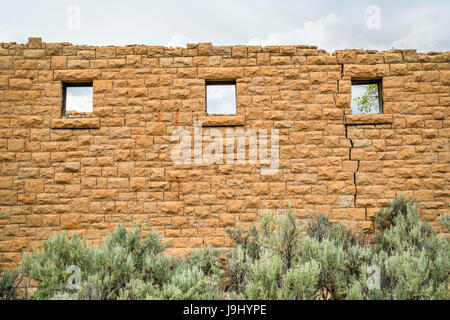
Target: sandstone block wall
[(85, 175)]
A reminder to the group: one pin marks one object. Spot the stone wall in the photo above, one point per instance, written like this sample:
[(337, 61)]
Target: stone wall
[(85, 175)]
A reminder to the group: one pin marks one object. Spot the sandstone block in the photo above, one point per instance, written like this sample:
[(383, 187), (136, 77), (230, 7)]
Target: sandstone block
[(170, 207)]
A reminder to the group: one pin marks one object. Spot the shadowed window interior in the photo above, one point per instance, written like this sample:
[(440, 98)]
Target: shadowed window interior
[(221, 97), (366, 97), (77, 100)]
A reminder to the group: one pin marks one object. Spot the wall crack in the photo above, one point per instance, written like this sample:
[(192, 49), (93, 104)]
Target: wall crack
[(357, 163), (351, 146)]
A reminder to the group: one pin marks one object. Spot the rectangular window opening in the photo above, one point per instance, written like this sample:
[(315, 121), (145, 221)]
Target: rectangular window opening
[(77, 100), (367, 97), (221, 97)]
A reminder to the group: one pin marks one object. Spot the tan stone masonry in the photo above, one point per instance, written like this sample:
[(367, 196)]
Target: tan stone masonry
[(85, 175)]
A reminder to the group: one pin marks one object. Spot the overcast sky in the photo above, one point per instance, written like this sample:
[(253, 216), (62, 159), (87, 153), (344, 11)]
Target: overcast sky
[(79, 99), (331, 25), (221, 99)]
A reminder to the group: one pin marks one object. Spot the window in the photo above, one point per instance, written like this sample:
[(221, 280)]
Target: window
[(366, 97), (77, 100), (221, 97)]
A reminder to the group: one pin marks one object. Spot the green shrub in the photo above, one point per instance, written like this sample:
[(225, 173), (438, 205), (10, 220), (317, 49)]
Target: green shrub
[(49, 265), (206, 259), (278, 258), (190, 283), (301, 282), (104, 271), (236, 270), (248, 242), (321, 228), (444, 221), (9, 284), (326, 261), (414, 260), (263, 280)]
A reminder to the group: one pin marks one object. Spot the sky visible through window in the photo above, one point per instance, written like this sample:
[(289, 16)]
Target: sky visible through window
[(79, 99), (221, 99)]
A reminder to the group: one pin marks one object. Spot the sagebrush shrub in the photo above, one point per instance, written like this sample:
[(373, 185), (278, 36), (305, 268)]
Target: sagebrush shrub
[(127, 266), (9, 283), (301, 282), (263, 279), (414, 260), (191, 283), (411, 261), (278, 258), (49, 265)]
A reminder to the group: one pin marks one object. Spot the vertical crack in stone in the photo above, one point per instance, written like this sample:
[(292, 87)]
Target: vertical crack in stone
[(350, 158), (354, 173), (351, 147)]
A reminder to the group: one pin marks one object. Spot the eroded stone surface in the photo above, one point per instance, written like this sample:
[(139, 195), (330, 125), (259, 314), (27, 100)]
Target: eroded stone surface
[(88, 174)]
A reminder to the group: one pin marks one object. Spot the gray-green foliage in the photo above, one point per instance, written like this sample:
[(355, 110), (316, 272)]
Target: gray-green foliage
[(414, 260), (207, 259), (127, 266), (264, 277), (323, 260), (191, 283), (196, 277), (444, 221), (301, 282), (319, 260), (10, 281), (277, 259), (49, 265)]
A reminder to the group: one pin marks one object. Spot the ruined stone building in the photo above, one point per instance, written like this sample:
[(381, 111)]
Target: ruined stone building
[(85, 172)]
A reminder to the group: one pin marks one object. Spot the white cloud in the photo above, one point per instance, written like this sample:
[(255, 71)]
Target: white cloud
[(424, 30), (8, 36), (414, 24), (431, 34), (330, 33), (313, 32), (179, 40)]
